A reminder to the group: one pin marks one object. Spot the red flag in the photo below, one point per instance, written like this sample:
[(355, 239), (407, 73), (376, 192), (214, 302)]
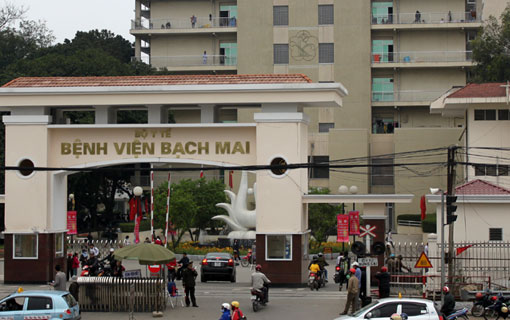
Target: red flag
[(354, 223), (342, 229), (423, 207), (462, 249), (201, 173), (230, 179)]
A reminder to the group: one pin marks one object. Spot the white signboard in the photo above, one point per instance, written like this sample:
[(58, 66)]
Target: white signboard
[(129, 274), (368, 262)]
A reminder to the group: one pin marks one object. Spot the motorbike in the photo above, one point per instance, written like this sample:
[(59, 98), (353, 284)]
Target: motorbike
[(247, 260), (315, 281), (499, 307), (462, 313), (482, 301), (257, 298)]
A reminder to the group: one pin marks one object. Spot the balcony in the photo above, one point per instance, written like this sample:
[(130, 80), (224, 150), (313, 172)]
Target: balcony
[(422, 59), (425, 20), (192, 63), (404, 98), (176, 26)]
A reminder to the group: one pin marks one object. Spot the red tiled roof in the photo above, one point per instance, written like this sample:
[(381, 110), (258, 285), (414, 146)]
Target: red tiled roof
[(480, 90), (126, 81), (480, 187)]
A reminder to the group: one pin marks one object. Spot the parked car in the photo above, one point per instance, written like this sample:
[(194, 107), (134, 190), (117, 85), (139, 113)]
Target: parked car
[(218, 265), (39, 304), (382, 309)]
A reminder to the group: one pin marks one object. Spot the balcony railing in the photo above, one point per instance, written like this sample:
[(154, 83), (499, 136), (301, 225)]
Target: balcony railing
[(405, 96), (422, 56), (168, 23), (190, 61), (425, 17)]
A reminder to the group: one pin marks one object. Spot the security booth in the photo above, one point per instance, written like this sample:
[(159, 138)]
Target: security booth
[(45, 150)]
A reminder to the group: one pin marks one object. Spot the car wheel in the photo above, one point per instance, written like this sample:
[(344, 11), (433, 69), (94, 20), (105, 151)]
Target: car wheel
[(203, 278)]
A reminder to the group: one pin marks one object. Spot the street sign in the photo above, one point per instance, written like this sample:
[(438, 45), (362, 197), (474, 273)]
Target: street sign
[(423, 261), (129, 274), (368, 262), (154, 268), (367, 230)]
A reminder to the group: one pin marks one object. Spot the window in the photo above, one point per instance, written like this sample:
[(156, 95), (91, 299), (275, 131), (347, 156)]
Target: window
[(278, 247), (503, 114), (59, 244), (69, 299), (382, 175), (495, 234), (25, 246), (281, 53), (39, 303), (324, 127), (489, 114), (319, 172), (414, 309), (479, 170), (502, 170), (228, 53), (13, 304), (326, 52), (491, 170), (384, 311), (280, 15), (383, 123), (326, 14), (382, 50), (382, 12), (382, 89)]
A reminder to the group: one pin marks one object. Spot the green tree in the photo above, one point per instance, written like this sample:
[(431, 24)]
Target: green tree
[(491, 50), (192, 205), (322, 217)]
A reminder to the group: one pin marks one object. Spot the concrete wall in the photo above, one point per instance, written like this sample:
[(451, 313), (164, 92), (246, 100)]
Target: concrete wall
[(494, 8), (411, 6), (440, 40), (182, 10), (439, 80), (195, 45)]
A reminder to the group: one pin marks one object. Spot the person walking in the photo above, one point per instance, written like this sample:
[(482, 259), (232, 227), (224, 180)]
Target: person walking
[(74, 287), (204, 57), (384, 282), (76, 264), (237, 314), (235, 248), (69, 266), (193, 20), (188, 281), (60, 280), (417, 17), (352, 292)]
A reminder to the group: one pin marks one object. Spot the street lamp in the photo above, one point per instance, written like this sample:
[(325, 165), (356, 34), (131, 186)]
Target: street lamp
[(434, 191), (137, 191), (71, 198)]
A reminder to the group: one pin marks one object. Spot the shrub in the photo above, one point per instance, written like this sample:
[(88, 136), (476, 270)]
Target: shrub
[(409, 217), (145, 225), (429, 224)]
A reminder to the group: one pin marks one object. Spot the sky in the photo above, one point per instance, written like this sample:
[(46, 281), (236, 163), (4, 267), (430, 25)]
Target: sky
[(65, 17)]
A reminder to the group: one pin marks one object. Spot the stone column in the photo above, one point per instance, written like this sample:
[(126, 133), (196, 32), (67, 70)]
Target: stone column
[(208, 113), (157, 114), (105, 115)]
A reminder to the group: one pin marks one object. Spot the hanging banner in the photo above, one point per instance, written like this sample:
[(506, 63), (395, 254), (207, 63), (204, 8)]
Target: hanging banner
[(71, 222), (342, 228), (354, 223)]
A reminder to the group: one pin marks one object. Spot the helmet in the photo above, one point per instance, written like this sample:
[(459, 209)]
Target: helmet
[(395, 316), (112, 250), (258, 267), (384, 269), (392, 255), (352, 270), (494, 298), (315, 258), (504, 309), (404, 316), (225, 306), (320, 254), (478, 296), (446, 289), (355, 264), (235, 304)]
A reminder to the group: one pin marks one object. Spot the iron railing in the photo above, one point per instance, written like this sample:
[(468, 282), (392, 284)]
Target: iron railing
[(405, 96), (422, 56), (184, 23), (189, 61), (425, 17)]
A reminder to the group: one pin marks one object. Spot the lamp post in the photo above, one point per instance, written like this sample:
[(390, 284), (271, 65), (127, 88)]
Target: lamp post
[(71, 198), (343, 190), (137, 191), (434, 191)]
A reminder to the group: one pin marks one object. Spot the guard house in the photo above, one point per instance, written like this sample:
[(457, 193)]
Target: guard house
[(37, 136)]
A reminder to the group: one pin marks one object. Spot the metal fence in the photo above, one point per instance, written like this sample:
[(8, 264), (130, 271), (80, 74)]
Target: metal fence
[(103, 245), (108, 294)]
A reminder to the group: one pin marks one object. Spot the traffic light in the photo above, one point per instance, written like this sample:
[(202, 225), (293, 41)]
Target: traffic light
[(451, 207)]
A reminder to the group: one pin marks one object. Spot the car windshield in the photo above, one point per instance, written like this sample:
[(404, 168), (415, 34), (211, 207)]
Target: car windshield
[(365, 309), (218, 254), (69, 299)]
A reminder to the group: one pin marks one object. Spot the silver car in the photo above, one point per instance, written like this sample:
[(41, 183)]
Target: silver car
[(416, 309)]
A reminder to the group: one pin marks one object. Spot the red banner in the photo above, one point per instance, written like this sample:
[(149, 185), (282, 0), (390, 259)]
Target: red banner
[(342, 228), (354, 223), (71, 222), (137, 229)]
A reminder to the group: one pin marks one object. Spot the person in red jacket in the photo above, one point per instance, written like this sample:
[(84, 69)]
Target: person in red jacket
[(75, 264), (237, 314)]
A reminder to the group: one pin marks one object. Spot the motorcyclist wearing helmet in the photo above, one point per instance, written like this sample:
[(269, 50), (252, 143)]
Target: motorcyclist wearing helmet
[(225, 311), (323, 264), (237, 314), (259, 281), (449, 302), (314, 265)]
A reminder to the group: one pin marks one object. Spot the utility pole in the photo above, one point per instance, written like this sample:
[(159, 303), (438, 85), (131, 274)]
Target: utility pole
[(451, 194)]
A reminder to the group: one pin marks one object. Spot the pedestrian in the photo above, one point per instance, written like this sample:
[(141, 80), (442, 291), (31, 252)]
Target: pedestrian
[(193, 20), (74, 287), (417, 17), (225, 311), (358, 274), (69, 266), (384, 282), (399, 265), (188, 281), (84, 257), (391, 263), (60, 280), (93, 249), (118, 269), (171, 270), (235, 248), (237, 314), (158, 241), (204, 57), (76, 264), (147, 240), (352, 292), (449, 16)]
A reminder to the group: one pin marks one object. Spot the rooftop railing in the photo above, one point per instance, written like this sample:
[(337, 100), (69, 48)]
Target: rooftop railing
[(421, 56), (425, 17), (190, 61), (184, 23), (405, 96)]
